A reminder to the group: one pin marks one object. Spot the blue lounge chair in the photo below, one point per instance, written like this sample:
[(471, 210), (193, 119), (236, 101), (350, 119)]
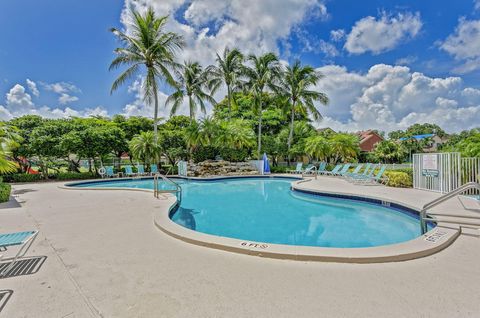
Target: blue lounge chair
[(333, 171), (109, 173), (366, 172), (310, 169), (321, 167), (298, 169), (355, 171), (344, 170), (23, 239), (129, 171), (153, 169), (378, 178), (141, 170)]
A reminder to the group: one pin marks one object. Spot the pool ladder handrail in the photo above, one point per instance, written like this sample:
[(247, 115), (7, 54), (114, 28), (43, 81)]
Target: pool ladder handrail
[(156, 191), (423, 213)]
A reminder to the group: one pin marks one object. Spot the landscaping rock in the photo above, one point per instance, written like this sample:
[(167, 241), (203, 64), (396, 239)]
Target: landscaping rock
[(211, 168)]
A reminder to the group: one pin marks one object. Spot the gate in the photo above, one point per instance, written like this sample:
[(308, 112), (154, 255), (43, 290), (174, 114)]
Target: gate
[(440, 172), (471, 172)]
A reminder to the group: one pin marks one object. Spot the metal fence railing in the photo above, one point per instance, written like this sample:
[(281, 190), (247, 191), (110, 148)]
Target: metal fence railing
[(470, 172)]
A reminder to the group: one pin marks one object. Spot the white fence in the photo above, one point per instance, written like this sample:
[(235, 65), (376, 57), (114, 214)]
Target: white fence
[(440, 172), (471, 172)]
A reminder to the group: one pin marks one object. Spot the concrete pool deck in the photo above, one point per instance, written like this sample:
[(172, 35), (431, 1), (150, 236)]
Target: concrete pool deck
[(106, 258)]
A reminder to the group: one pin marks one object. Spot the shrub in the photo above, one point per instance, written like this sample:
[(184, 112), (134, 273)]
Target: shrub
[(75, 176), (234, 155), (280, 169), (169, 169), (22, 177), (5, 192), (203, 153), (399, 179)]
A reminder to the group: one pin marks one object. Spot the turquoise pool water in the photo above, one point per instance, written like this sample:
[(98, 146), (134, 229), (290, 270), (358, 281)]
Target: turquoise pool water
[(267, 210)]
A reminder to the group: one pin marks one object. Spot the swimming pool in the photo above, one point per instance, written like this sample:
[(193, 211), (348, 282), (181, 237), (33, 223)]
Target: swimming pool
[(267, 210)]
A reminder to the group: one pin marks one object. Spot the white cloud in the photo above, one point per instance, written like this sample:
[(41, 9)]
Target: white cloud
[(18, 103), (310, 43), (33, 87), (464, 45), (211, 25), (476, 4), (337, 35), (393, 97), (64, 90), (407, 60), (65, 99), (382, 34)]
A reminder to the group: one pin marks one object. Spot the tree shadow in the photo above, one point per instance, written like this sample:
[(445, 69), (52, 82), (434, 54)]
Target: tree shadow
[(5, 295), (11, 204), (24, 266), (22, 191)]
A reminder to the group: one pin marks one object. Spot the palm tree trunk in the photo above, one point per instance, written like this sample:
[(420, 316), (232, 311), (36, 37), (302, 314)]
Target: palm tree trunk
[(259, 127), (229, 94), (155, 115), (190, 105), (290, 134)]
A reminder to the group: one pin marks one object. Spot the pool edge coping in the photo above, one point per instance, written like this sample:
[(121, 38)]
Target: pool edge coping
[(403, 251)]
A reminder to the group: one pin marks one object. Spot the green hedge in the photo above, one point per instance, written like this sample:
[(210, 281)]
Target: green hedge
[(5, 192), (399, 179), (22, 177), (280, 169), (75, 176)]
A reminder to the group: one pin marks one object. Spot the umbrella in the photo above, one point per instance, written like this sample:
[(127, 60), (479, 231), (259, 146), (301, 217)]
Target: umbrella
[(266, 165)]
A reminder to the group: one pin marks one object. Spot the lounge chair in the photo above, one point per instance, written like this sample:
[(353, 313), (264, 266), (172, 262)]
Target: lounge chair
[(22, 239), (368, 172), (129, 171), (321, 167), (333, 171), (378, 178), (344, 170), (141, 170), (310, 169), (298, 169), (109, 173), (153, 169), (355, 171)]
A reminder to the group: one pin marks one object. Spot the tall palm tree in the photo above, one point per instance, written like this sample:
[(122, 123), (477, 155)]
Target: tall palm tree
[(262, 74), (9, 139), (318, 146), (296, 84), (151, 46), (145, 147), (345, 147), (192, 82), (227, 71)]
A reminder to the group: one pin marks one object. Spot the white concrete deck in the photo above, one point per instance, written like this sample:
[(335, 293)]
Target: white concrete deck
[(106, 258)]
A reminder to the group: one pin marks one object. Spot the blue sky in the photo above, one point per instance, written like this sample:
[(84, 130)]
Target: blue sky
[(377, 56)]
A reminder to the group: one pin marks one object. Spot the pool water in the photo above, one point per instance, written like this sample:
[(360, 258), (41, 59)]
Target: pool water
[(267, 210)]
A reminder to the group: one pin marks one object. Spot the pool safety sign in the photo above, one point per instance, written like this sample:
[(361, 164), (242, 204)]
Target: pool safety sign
[(430, 165)]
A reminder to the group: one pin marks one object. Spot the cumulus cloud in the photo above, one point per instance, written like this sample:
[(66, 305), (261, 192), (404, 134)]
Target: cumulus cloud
[(33, 87), (18, 103), (64, 91), (393, 97), (378, 35), (464, 45), (337, 35), (209, 26)]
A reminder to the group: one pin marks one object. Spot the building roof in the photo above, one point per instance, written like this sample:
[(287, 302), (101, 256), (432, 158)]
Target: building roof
[(418, 137)]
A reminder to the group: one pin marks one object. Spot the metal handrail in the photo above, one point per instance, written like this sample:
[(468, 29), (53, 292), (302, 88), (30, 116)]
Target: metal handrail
[(156, 191), (443, 198)]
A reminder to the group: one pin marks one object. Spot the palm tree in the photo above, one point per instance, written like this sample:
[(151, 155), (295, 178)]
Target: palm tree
[(261, 75), (9, 139), (227, 71), (296, 84), (318, 146), (145, 147), (236, 134), (191, 84), (149, 45), (345, 147)]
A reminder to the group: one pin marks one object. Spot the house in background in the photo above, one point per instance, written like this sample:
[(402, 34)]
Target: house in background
[(368, 140), (432, 141)]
